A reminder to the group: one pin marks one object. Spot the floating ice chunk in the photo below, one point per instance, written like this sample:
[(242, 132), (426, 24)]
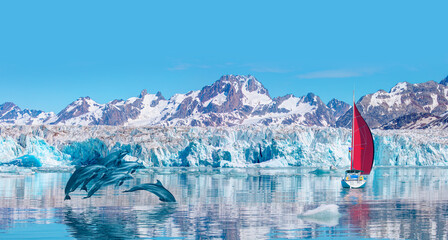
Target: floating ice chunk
[(326, 214), (323, 170)]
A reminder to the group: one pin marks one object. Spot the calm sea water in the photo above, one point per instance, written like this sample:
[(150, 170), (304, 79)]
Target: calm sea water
[(405, 203)]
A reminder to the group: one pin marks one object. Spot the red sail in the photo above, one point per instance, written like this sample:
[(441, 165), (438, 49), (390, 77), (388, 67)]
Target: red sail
[(362, 144)]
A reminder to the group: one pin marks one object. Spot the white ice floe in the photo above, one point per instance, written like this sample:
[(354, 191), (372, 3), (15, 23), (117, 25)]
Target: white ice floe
[(326, 214)]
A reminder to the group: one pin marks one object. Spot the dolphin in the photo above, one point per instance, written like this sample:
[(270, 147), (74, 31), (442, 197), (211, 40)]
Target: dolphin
[(156, 188), (79, 176), (108, 179), (72, 180), (98, 175), (129, 167), (114, 159)]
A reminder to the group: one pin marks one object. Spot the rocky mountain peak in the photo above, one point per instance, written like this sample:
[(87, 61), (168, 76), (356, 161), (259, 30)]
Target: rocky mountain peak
[(143, 93), (12, 114), (338, 107), (9, 110), (81, 106), (283, 98), (235, 78), (243, 82), (8, 106), (159, 96), (335, 103), (312, 99), (400, 87), (444, 81), (32, 113)]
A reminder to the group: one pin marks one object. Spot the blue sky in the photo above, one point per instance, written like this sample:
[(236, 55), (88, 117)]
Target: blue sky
[(52, 52)]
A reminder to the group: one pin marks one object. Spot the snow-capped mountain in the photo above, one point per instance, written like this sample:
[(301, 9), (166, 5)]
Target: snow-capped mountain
[(83, 111), (398, 105), (338, 107), (242, 100), (12, 114), (231, 100)]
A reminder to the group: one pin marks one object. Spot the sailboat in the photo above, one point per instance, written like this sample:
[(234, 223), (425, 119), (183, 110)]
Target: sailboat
[(361, 153)]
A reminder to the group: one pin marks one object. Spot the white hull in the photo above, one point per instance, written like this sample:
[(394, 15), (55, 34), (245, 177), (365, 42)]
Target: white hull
[(353, 183)]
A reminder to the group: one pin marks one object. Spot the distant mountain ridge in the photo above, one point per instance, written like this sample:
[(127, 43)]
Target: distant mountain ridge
[(231, 100), (405, 106), (241, 100)]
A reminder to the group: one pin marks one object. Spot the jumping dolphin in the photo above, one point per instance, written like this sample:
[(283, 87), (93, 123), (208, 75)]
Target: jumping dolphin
[(79, 176), (98, 175), (108, 179), (129, 167), (114, 159), (156, 188)]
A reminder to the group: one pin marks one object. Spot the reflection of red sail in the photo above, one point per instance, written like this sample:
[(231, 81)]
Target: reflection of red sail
[(359, 214), (362, 144), (359, 211)]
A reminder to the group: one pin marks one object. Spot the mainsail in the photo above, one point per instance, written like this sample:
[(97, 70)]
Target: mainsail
[(362, 144)]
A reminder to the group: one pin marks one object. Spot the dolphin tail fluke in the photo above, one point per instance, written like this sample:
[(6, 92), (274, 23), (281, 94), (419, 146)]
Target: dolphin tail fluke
[(67, 197), (84, 188)]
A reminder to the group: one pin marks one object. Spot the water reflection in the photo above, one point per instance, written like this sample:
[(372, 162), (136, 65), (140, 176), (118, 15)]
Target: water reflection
[(101, 223), (235, 204), (115, 223)]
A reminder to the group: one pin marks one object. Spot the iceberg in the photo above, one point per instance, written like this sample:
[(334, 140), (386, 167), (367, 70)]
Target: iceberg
[(323, 171), (326, 214), (225, 147)]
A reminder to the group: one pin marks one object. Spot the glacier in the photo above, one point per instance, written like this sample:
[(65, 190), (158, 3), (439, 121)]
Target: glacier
[(239, 146)]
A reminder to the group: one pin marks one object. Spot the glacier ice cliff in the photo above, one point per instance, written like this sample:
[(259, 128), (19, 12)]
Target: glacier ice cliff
[(239, 146)]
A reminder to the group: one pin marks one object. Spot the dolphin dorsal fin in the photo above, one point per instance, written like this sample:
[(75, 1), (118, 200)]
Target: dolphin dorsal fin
[(159, 183)]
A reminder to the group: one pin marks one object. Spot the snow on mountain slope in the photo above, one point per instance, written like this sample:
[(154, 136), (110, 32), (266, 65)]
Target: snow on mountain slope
[(308, 110), (151, 110), (405, 98), (12, 114), (235, 100), (231, 100), (83, 111), (239, 146)]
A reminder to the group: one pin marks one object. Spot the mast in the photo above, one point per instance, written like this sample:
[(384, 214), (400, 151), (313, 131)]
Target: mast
[(353, 131)]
